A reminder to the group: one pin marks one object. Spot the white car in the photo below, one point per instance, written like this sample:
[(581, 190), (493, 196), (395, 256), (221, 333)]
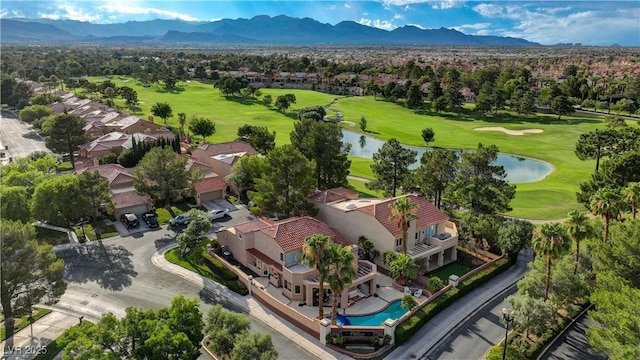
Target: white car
[(218, 214), (180, 220)]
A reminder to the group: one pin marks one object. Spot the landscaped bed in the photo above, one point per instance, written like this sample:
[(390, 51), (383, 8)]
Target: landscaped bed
[(23, 321), (106, 231), (52, 237)]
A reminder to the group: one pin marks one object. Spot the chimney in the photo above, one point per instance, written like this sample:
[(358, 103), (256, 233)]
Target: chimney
[(96, 162)]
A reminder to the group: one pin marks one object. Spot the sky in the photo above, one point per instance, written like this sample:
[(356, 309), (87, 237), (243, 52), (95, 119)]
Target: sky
[(599, 23)]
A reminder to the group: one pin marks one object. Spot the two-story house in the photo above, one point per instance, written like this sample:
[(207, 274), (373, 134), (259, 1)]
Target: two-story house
[(222, 156), (432, 236), (274, 249)]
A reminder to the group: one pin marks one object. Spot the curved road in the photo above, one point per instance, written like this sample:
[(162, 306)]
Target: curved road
[(112, 274), (573, 343)]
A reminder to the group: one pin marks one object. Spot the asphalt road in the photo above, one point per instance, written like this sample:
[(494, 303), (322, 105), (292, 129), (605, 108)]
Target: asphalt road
[(112, 274), (19, 137), (573, 344), (473, 338)]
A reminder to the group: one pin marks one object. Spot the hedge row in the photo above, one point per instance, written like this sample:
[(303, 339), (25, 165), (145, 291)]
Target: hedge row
[(410, 326), (228, 277)]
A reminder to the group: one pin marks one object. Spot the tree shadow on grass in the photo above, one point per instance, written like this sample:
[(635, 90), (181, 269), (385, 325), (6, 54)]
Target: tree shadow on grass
[(110, 266)]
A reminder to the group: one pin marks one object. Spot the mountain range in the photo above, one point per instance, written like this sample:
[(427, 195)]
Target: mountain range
[(259, 30)]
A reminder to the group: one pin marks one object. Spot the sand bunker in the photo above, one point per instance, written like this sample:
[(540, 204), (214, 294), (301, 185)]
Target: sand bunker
[(509, 132)]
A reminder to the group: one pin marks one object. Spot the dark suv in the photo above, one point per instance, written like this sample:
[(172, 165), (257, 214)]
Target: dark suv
[(150, 219), (130, 220)]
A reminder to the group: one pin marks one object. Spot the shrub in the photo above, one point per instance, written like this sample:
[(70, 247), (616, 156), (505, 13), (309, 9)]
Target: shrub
[(495, 353)]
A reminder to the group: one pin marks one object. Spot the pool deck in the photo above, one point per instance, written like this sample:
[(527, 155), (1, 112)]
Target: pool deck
[(386, 294)]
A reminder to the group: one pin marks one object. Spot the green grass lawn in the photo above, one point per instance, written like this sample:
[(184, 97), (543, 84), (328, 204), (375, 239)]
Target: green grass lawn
[(550, 198), (455, 268), (106, 231)]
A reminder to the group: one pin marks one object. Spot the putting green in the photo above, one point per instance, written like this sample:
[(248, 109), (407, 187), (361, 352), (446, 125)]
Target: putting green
[(550, 198)]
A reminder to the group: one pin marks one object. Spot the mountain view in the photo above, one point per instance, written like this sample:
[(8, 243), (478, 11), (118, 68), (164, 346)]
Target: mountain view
[(262, 30)]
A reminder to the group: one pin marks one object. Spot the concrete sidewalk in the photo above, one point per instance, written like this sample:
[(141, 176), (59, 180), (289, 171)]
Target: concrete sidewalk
[(429, 336), (45, 330), (251, 306)]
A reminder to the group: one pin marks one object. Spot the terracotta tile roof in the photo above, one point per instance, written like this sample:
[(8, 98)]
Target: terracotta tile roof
[(253, 225), (333, 195), (118, 178), (129, 198), (291, 233), (427, 214), (228, 148), (264, 258), (209, 184)]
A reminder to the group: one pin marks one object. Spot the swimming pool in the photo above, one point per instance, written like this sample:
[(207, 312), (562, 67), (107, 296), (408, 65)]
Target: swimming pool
[(393, 311)]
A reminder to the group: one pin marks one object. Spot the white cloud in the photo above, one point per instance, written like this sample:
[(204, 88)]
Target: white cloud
[(436, 4), (69, 11), (332, 7), (398, 17), (377, 23), (137, 10), (347, 6), (554, 10), (477, 26)]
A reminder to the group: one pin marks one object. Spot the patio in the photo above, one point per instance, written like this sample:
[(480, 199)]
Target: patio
[(386, 294)]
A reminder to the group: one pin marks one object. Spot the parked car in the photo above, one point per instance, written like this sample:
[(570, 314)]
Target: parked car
[(180, 220), (150, 219), (130, 220), (218, 214)]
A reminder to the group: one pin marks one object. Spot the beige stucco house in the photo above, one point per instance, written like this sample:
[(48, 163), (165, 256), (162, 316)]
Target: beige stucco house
[(274, 249), (432, 236), (221, 157)]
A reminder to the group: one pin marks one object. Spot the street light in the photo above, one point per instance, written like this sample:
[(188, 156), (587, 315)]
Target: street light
[(508, 316)]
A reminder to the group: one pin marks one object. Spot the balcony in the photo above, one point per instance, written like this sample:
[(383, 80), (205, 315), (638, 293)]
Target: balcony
[(422, 250)]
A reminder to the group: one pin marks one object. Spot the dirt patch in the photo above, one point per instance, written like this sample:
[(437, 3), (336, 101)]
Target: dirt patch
[(509, 132)]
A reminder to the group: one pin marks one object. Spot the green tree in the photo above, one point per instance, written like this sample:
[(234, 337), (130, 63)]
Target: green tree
[(363, 124), (414, 96), (224, 329), (56, 201), (13, 204), (340, 275), (617, 293), (409, 302), (162, 110), (321, 142), (32, 114), (435, 284), (391, 167), (440, 104), (245, 172), (402, 213), (202, 126), (549, 240), (283, 190), (532, 314), (30, 274), (483, 100), (561, 106), (436, 172), (428, 135), (283, 102), (162, 175), (596, 144), (402, 268), (64, 134), (569, 290), (579, 229), (254, 347), (185, 317), (631, 196), (182, 120), (523, 102), (316, 255), (513, 236), (198, 226), (480, 186), (95, 191), (258, 137), (435, 90), (607, 203), (110, 93)]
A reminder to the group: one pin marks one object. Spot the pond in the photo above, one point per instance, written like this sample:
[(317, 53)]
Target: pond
[(519, 169)]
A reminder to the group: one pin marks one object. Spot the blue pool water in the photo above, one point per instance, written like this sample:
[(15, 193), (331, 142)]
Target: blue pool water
[(393, 311)]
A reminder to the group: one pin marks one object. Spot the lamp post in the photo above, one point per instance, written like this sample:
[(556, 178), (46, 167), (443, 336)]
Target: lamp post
[(508, 316)]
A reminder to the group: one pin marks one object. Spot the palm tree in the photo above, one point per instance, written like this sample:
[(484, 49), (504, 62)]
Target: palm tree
[(341, 273), (182, 120), (550, 241), (578, 228), (402, 213), (606, 202), (631, 196), (368, 248), (110, 93), (403, 268), (315, 254)]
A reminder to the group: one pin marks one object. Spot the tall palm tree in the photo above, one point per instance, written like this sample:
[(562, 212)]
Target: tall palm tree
[(403, 268), (341, 274), (182, 120), (578, 228), (402, 213), (606, 202), (316, 254), (631, 196), (550, 241)]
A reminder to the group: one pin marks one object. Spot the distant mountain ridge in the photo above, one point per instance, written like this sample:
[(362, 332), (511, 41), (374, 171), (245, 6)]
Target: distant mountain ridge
[(259, 30)]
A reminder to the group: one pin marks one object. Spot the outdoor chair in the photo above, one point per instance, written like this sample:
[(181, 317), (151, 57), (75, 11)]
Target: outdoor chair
[(418, 293), (407, 291)]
